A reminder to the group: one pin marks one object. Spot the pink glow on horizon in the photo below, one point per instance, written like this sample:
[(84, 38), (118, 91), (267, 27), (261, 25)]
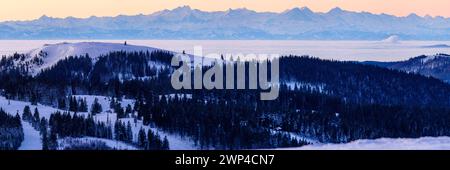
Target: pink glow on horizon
[(32, 9)]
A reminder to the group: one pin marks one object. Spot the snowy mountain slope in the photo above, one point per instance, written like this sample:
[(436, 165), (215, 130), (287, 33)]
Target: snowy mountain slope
[(52, 53), (66, 142), (104, 101), (31, 135), (175, 142), (48, 55), (12, 107), (437, 66), (423, 143), (32, 138)]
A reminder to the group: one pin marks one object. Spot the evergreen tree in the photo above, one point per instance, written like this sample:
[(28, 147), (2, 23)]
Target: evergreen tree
[(112, 103), (117, 130), (36, 119), (142, 139), (52, 140), (43, 132), (82, 107), (136, 106), (150, 140), (45, 141), (165, 144), (34, 99), (43, 125), (62, 104), (27, 116), (129, 133), (17, 118), (129, 109), (11, 131), (96, 107), (158, 142), (36, 115), (120, 112), (73, 104)]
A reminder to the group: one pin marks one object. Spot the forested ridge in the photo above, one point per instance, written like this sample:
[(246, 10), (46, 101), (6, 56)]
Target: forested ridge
[(329, 101), (11, 131)]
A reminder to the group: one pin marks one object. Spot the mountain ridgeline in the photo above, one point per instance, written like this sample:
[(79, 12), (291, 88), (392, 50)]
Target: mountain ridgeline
[(329, 101), (187, 23), (437, 66)]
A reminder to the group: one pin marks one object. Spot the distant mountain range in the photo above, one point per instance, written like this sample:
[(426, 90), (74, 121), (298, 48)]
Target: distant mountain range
[(437, 66), (187, 23)]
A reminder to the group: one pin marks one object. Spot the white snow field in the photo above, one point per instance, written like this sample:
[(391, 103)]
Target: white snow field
[(12, 107), (32, 139), (110, 143), (423, 143)]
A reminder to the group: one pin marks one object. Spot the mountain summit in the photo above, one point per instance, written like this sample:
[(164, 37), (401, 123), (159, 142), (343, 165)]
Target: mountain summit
[(50, 54)]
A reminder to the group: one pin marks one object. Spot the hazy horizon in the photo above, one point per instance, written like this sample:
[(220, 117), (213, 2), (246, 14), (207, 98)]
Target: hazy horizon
[(336, 50)]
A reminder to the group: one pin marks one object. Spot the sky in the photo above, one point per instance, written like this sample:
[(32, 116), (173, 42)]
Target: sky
[(32, 9)]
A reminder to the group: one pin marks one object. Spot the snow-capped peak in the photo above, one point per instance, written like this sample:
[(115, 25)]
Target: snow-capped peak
[(336, 10), (302, 9), (45, 17), (298, 11), (392, 39), (413, 16), (186, 7), (428, 58), (240, 12)]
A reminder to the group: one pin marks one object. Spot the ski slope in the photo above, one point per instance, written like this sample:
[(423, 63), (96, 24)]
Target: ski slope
[(32, 138), (12, 107)]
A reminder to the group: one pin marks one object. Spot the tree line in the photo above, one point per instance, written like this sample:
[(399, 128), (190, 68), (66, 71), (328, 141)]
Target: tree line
[(11, 131)]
